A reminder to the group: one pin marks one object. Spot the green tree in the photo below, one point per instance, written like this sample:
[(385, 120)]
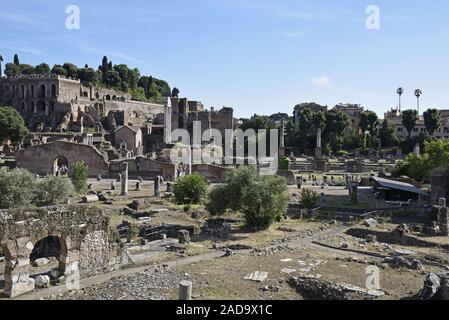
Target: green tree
[(435, 155), (337, 123), (1, 60), (87, 75), (79, 173), (112, 79), (72, 70), (190, 189), (262, 199), (432, 120), (309, 198), (12, 125), (54, 190), (175, 92), (59, 70), (11, 70), (17, 188), (409, 119), (16, 60), (43, 69), (26, 69), (387, 134)]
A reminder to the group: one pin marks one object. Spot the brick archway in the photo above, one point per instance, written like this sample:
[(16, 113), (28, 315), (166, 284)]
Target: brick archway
[(73, 225)]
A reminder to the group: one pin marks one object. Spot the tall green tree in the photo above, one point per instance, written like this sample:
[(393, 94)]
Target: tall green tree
[(432, 120), (175, 92), (79, 173), (1, 60), (409, 120), (387, 134), (12, 125), (368, 124), (16, 60), (400, 92), (418, 94)]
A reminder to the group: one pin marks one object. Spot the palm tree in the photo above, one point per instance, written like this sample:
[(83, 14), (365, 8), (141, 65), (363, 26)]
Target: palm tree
[(1, 60), (418, 94), (400, 91)]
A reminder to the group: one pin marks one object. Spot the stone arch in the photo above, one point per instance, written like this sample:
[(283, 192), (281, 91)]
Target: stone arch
[(41, 106), (108, 97), (61, 166), (51, 246), (22, 106), (42, 91), (53, 90), (32, 90), (31, 107)]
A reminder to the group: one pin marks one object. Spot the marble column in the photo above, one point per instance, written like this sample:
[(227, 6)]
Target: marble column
[(124, 179)]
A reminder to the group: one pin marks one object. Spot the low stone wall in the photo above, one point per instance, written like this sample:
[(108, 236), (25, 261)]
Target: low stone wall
[(394, 238), (86, 242)]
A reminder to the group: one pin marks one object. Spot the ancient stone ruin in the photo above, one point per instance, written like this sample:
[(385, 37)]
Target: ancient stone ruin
[(84, 242)]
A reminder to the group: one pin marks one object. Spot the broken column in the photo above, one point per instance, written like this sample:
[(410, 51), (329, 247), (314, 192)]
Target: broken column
[(185, 290), (318, 153), (167, 121), (444, 226), (157, 186), (124, 179)]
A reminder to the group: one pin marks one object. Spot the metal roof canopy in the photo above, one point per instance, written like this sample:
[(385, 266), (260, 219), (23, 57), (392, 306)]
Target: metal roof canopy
[(396, 185)]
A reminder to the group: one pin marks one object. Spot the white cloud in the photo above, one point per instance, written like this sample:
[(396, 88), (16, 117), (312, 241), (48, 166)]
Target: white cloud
[(321, 81)]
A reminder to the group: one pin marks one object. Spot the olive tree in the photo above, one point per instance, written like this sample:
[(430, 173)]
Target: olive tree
[(263, 200)]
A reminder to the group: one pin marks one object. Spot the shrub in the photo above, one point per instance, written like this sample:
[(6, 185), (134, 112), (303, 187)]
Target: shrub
[(17, 188), (262, 199), (190, 189), (54, 190), (284, 164), (309, 198), (187, 208), (79, 174)]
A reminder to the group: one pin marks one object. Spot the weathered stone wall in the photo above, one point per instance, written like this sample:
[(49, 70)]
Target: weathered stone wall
[(440, 185), (40, 159), (145, 168), (215, 174), (83, 233), (94, 252)]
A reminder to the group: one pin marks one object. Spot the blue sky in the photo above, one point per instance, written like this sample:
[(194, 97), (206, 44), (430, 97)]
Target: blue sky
[(257, 56)]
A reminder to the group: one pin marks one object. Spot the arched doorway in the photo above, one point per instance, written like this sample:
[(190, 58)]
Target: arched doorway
[(61, 166), (41, 106), (51, 248), (42, 92)]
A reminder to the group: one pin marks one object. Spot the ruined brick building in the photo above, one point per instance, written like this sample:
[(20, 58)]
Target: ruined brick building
[(56, 108)]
